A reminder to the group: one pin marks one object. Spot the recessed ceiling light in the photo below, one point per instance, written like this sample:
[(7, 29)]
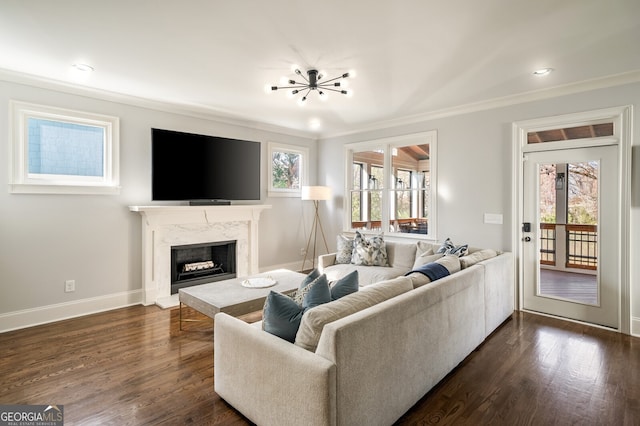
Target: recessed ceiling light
[(543, 71), (315, 123), (83, 67)]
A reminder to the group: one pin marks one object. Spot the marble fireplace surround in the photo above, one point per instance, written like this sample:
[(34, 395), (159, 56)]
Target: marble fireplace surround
[(166, 226)]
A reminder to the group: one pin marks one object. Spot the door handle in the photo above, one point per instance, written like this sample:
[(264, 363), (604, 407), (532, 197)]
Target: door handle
[(526, 239)]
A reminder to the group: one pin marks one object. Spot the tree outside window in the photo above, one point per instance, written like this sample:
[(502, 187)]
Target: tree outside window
[(287, 170)]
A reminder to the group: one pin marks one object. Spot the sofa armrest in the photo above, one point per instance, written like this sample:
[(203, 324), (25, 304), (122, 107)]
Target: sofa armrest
[(325, 260), (263, 376), (499, 290)]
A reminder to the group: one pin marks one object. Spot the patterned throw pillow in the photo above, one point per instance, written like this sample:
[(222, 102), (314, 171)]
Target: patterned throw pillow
[(449, 248), (369, 252), (345, 249), (458, 250), (447, 245)]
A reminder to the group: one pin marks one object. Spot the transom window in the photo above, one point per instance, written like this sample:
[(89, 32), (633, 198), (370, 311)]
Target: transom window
[(391, 185), (62, 151)]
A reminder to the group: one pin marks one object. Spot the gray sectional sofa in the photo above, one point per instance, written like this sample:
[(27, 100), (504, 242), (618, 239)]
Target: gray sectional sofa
[(368, 357)]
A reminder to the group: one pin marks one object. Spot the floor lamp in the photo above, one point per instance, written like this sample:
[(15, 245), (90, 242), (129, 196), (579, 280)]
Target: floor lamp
[(315, 194)]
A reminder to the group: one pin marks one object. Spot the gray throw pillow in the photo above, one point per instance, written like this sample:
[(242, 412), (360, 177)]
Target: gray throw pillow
[(344, 249)]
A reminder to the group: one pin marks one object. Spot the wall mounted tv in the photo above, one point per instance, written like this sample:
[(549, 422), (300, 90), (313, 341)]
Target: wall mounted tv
[(203, 169)]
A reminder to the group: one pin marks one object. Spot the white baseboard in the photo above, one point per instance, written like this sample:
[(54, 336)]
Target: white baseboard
[(292, 266), (635, 326), (77, 308), (61, 311)]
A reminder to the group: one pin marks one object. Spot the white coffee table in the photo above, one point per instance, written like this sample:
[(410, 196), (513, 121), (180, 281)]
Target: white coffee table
[(229, 296)]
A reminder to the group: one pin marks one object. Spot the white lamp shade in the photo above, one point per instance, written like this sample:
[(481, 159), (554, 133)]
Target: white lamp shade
[(316, 193)]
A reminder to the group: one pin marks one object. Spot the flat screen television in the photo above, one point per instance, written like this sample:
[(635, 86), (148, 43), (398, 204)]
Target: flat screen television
[(203, 169)]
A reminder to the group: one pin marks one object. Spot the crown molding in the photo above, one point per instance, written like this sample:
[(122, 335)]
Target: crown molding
[(520, 98), (226, 117), (186, 109)]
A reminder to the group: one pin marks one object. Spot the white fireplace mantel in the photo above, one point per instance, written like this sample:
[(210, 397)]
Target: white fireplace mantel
[(165, 226)]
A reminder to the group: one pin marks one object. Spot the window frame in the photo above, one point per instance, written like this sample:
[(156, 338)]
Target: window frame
[(22, 182), (387, 145), (304, 169)]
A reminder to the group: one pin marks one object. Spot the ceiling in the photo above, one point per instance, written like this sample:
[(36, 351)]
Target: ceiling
[(412, 57)]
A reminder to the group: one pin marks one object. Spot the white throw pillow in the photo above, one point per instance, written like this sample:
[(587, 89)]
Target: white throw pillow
[(426, 257)]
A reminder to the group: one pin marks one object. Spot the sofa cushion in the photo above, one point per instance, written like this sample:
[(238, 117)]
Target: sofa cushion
[(451, 262), (475, 257), (423, 247), (345, 285), (315, 319), (366, 274), (344, 249), (419, 277), (426, 257), (400, 255), (369, 251)]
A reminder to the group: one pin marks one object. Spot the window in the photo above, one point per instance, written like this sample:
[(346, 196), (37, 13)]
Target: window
[(288, 167), (391, 185), (62, 151)]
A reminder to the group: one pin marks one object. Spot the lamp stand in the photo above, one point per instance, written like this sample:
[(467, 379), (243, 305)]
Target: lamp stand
[(314, 234)]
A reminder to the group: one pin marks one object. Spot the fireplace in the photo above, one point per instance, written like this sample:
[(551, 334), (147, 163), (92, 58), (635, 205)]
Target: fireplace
[(166, 226), (195, 264)]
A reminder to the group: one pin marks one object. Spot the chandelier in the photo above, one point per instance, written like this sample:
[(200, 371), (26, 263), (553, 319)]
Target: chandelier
[(312, 83)]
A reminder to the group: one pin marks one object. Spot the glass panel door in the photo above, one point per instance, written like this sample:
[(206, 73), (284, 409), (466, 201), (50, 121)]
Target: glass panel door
[(571, 234)]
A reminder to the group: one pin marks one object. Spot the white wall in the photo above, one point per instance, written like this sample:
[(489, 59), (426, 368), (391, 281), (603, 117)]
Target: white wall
[(475, 170), (95, 240)]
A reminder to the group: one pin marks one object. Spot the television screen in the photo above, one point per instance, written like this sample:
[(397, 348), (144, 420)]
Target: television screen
[(193, 167)]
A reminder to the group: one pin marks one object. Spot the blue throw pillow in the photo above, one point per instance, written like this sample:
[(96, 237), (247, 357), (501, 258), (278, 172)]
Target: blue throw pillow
[(298, 295), (309, 278), (316, 293), (281, 316), (345, 285)]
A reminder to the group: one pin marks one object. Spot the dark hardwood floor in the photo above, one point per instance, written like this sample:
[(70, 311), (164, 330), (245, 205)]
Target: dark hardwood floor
[(133, 366)]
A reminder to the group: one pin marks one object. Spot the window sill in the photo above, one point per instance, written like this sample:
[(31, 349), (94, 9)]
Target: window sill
[(27, 188)]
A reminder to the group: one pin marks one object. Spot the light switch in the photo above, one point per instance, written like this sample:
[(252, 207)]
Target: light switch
[(493, 218)]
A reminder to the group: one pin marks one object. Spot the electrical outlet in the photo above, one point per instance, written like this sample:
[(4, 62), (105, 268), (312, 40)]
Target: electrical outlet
[(69, 286), (303, 251)]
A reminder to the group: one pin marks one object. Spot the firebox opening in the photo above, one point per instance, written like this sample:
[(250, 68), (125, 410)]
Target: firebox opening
[(195, 264)]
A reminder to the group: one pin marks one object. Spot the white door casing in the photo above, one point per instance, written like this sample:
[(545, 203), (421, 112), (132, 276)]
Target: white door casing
[(622, 120)]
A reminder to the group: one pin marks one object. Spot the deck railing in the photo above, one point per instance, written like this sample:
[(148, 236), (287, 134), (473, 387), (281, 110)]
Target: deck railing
[(548, 244), (580, 245)]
